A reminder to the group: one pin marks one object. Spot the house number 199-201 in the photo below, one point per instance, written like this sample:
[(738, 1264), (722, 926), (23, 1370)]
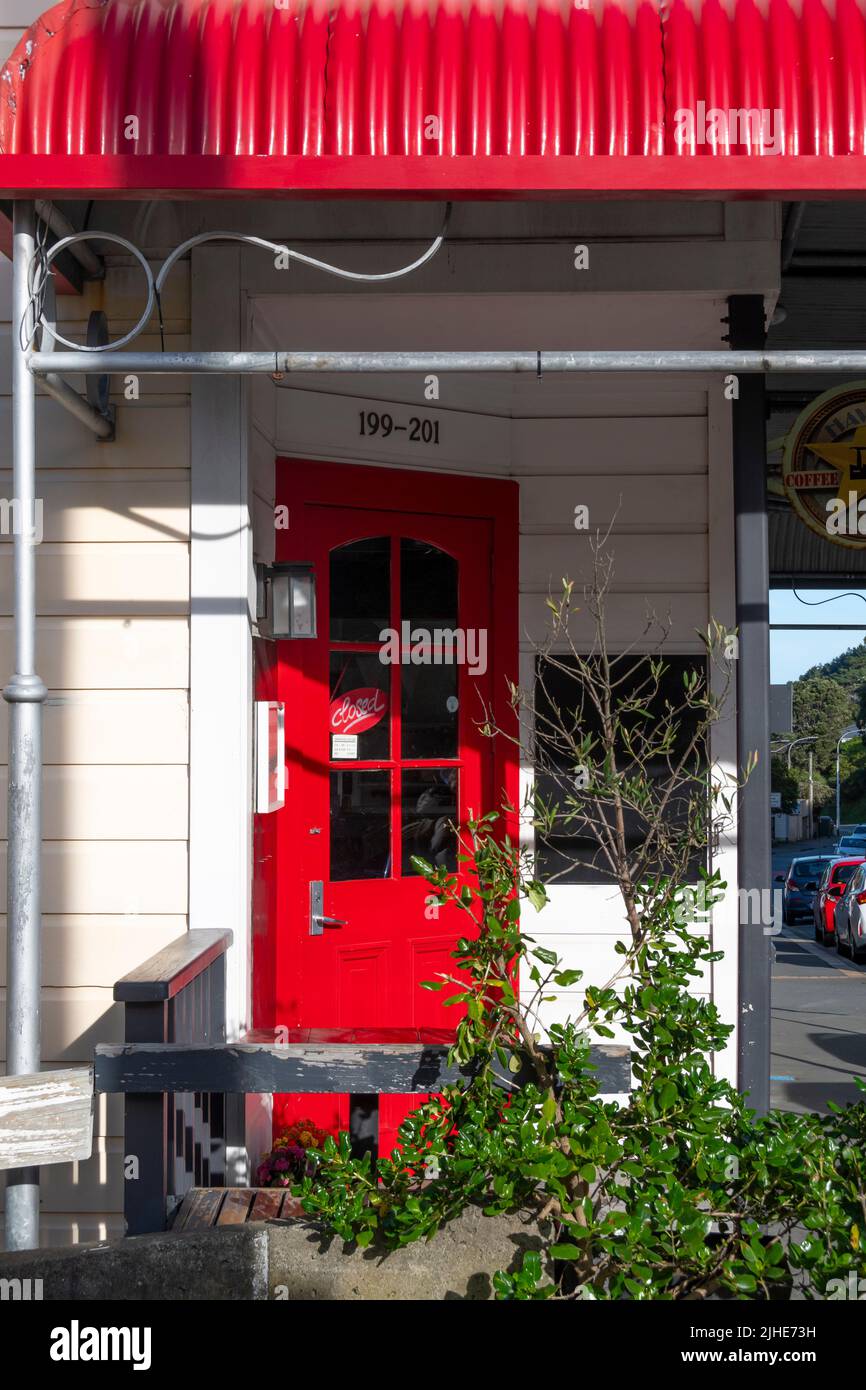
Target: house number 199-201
[(419, 431)]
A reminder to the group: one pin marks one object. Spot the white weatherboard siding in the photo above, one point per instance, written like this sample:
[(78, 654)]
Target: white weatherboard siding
[(113, 648)]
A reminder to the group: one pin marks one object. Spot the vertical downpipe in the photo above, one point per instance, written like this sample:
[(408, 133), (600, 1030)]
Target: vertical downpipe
[(754, 841), (24, 694)]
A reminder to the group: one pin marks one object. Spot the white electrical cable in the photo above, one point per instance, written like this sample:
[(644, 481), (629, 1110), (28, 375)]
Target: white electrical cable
[(154, 286), (148, 276)]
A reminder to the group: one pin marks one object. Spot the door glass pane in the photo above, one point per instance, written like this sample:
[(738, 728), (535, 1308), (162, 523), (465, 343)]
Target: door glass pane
[(360, 590), (429, 711), (428, 586), (360, 825), (429, 812), (358, 715)]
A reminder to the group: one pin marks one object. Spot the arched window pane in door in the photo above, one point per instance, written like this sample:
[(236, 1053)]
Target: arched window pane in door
[(428, 586), (360, 590)]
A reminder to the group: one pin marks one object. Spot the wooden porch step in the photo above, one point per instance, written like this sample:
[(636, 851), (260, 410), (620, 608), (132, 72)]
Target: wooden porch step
[(203, 1207)]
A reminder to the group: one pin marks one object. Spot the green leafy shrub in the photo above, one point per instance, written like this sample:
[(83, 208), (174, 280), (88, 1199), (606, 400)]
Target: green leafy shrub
[(681, 1192)]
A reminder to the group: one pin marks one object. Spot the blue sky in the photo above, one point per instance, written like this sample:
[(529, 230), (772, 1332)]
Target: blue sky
[(792, 653)]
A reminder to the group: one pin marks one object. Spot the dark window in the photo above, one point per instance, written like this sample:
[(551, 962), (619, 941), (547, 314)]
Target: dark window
[(429, 711), (429, 814), (571, 852), (360, 590), (360, 825), (805, 870), (843, 873), (428, 586)]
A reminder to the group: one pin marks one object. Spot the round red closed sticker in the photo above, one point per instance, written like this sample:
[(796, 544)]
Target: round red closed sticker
[(358, 710)]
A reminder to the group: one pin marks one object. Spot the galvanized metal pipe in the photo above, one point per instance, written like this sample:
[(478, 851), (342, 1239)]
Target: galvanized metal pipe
[(754, 847), (24, 693), (535, 362), (100, 424)]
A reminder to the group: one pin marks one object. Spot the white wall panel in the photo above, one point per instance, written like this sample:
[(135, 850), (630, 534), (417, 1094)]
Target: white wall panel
[(111, 876), (651, 445), (661, 503), (630, 619), (642, 564), (148, 436), (73, 1022), (98, 951), (104, 579), (112, 802), (112, 653), (122, 505), (111, 726)]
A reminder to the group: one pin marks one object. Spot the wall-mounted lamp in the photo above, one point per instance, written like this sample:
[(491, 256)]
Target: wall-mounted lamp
[(286, 600)]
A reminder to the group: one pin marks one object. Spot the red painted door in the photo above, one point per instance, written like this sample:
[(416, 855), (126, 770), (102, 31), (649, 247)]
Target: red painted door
[(383, 747)]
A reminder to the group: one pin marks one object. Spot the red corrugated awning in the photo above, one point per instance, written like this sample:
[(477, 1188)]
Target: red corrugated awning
[(486, 98)]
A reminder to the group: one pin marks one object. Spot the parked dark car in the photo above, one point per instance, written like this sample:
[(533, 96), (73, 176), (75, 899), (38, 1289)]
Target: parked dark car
[(801, 885), (850, 917), (834, 880)]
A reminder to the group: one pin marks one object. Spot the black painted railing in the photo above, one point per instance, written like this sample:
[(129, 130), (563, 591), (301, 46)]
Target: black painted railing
[(176, 1071), (174, 1137)]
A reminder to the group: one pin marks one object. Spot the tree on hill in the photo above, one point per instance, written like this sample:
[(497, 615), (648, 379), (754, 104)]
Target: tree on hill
[(848, 669), (825, 708), (829, 698)]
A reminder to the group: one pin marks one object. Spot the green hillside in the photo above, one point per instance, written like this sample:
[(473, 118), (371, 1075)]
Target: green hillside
[(827, 699)]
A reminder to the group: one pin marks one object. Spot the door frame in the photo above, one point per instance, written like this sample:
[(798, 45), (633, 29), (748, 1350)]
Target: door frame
[(446, 495)]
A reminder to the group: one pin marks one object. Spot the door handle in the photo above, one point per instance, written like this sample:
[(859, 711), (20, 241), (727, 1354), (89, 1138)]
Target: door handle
[(318, 918)]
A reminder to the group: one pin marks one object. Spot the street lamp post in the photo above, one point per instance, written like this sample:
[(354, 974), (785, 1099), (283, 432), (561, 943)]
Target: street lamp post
[(810, 738), (843, 738)]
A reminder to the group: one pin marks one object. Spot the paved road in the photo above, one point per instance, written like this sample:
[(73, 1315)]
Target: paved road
[(819, 1015)]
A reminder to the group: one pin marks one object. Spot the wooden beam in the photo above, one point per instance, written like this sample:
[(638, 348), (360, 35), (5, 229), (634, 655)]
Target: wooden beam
[(46, 1117), (68, 276), (262, 1068)]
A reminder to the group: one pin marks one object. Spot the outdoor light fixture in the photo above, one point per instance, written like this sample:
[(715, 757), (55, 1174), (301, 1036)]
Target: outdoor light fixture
[(286, 600)]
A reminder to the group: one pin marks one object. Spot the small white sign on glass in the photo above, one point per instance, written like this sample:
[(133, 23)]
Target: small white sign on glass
[(344, 746)]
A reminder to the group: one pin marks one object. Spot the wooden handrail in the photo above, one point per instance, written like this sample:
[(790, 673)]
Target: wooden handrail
[(174, 967)]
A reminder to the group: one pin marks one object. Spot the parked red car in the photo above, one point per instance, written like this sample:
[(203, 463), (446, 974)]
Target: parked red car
[(834, 880)]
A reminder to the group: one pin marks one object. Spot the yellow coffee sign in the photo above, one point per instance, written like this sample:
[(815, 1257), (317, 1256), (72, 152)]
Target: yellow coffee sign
[(824, 465)]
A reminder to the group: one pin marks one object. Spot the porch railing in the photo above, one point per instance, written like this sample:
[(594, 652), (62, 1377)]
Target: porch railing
[(175, 1071), (174, 1136)]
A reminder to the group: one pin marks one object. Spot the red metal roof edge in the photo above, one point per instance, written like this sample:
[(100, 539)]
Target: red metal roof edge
[(497, 97), (465, 178)]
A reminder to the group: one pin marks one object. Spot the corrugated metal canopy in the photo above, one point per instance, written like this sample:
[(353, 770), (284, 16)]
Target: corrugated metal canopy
[(800, 556), (493, 97)]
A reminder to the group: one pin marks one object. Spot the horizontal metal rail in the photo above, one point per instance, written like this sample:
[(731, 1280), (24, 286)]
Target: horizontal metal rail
[(537, 362)]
